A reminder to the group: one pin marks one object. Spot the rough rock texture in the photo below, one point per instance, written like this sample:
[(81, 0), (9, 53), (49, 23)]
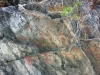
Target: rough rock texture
[(32, 43)]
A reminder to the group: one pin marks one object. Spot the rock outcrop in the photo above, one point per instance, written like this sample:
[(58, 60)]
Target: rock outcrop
[(43, 42)]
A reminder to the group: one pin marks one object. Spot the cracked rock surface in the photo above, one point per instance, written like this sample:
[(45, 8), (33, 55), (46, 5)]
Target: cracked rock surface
[(34, 43)]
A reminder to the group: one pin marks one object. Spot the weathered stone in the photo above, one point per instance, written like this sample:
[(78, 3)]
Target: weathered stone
[(38, 43)]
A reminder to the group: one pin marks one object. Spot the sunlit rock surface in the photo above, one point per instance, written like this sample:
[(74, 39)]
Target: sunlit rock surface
[(32, 43)]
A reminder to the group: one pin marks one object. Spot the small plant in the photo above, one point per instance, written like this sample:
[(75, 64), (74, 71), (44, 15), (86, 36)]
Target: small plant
[(67, 10), (72, 9)]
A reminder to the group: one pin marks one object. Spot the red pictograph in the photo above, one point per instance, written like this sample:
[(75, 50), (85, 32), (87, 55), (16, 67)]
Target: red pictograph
[(28, 60), (87, 30)]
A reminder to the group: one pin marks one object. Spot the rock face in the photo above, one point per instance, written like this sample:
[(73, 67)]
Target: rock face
[(34, 43)]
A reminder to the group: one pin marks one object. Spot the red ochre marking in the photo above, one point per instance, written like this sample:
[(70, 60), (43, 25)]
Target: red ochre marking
[(75, 48), (42, 36), (87, 30), (62, 39), (28, 60), (96, 56), (35, 59), (47, 60), (96, 48), (60, 34), (50, 36), (89, 49)]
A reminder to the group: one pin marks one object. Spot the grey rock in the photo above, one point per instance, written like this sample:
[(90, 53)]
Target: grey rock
[(34, 42)]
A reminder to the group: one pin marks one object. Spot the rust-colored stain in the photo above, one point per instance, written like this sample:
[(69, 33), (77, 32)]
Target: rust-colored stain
[(28, 60)]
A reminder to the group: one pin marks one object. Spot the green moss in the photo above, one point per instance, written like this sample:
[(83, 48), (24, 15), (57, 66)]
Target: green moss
[(70, 9)]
